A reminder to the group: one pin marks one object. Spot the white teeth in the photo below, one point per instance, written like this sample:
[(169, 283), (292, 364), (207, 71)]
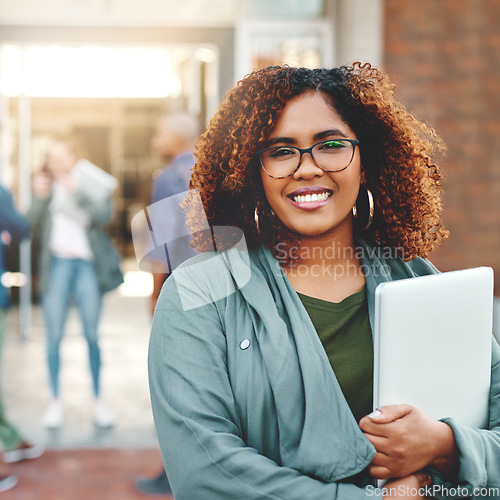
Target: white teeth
[(311, 197)]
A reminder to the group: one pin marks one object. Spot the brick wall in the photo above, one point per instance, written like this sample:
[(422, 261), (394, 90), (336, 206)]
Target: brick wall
[(444, 56)]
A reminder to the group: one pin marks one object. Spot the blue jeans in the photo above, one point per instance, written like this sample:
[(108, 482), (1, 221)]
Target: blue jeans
[(72, 278)]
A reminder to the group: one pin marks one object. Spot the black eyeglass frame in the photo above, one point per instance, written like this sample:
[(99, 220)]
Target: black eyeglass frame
[(258, 154)]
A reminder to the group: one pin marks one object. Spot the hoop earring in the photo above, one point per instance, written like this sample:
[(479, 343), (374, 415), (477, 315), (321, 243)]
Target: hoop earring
[(371, 209), (256, 219)]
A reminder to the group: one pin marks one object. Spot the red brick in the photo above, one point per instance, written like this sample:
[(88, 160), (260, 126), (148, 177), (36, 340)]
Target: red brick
[(445, 59)]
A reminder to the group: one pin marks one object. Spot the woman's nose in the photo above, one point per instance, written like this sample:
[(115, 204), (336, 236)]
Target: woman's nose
[(307, 168)]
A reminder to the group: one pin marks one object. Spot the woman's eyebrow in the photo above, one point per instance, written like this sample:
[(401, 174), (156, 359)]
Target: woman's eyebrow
[(328, 133), (280, 140), (316, 137)]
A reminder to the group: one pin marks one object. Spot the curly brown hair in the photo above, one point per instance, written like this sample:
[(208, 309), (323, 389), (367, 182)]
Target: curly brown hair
[(395, 153)]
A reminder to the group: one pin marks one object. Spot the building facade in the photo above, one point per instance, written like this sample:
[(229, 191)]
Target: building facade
[(445, 59), (443, 55)]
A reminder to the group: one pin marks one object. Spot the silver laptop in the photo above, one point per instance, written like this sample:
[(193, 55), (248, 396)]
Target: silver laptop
[(432, 344)]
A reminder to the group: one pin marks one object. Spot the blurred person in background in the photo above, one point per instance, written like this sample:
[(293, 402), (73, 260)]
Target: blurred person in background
[(13, 228), (174, 139), (76, 261)]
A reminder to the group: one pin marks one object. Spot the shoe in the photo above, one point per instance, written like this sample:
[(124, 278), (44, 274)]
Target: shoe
[(158, 485), (102, 416), (54, 415), (7, 482), (25, 451)]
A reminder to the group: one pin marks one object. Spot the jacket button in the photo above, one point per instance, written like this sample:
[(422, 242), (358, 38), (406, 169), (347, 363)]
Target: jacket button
[(244, 344)]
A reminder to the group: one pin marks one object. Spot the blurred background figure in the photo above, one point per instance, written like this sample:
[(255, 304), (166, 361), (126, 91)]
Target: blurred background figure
[(71, 205), (174, 139), (13, 228)]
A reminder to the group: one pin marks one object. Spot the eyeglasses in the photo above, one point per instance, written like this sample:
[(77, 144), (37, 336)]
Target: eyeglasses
[(333, 155)]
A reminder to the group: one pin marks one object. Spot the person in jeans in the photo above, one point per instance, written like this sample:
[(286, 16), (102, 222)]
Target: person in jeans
[(13, 228), (72, 263)]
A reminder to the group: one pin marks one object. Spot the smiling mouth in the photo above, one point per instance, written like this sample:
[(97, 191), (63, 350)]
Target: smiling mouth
[(316, 196), (308, 198)]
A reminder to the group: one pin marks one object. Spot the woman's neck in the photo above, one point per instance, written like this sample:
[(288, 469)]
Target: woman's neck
[(335, 249), (328, 267)]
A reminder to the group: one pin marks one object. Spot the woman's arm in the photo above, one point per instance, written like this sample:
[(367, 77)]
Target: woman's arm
[(37, 212), (407, 440), (479, 463), (197, 421), (42, 189)]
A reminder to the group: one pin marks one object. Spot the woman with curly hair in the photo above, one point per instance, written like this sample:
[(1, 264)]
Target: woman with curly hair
[(317, 185)]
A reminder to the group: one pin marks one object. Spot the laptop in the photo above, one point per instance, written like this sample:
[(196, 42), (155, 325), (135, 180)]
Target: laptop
[(432, 344)]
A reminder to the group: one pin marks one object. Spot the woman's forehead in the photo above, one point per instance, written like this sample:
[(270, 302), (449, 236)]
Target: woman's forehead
[(309, 112)]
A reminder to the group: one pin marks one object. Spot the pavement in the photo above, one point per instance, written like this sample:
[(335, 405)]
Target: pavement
[(81, 461), (85, 474)]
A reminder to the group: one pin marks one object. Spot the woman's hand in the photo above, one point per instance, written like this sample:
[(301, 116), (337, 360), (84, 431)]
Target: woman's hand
[(407, 440), (407, 487)]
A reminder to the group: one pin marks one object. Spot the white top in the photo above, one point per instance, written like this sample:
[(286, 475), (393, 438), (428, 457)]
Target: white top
[(68, 237)]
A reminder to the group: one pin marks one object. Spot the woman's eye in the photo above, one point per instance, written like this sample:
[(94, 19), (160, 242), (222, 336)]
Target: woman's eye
[(282, 152), (333, 145)]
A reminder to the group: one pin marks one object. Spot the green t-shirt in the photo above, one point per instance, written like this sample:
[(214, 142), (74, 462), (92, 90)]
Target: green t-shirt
[(344, 330)]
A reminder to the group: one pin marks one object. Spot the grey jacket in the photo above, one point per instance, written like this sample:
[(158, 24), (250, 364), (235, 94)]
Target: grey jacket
[(106, 258), (245, 402)]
